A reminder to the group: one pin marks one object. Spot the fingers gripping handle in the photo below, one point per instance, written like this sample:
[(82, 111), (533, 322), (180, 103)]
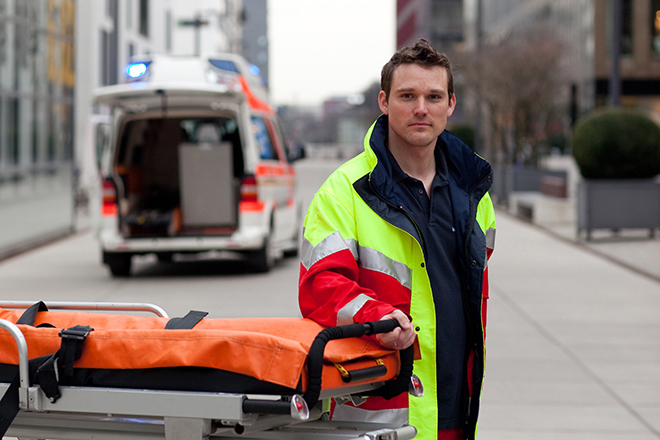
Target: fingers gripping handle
[(385, 326), (315, 357)]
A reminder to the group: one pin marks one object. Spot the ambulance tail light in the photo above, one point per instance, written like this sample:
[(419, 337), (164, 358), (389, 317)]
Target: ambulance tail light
[(249, 189), (109, 205)]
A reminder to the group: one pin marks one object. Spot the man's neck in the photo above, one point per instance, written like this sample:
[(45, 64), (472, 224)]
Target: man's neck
[(417, 162)]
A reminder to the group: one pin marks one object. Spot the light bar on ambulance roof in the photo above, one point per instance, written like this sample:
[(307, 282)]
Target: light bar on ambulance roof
[(136, 70), (224, 74), (256, 71)]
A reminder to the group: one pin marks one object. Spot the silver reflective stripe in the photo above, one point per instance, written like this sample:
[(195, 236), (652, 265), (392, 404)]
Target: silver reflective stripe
[(490, 243), (347, 413), (367, 258), (345, 314), (490, 238), (331, 244), (371, 259)]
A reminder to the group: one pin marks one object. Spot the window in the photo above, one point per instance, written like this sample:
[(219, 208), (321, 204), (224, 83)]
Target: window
[(625, 15), (168, 31), (266, 147), (105, 59), (626, 27), (144, 17), (110, 8), (285, 141), (129, 14), (655, 28)]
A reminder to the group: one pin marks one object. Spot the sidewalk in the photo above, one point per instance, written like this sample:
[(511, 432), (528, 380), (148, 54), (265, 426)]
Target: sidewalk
[(573, 345)]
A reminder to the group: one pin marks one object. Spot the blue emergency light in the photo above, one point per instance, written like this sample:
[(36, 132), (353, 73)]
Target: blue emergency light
[(136, 70)]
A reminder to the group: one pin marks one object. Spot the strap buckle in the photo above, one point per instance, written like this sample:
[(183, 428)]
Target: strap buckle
[(78, 333)]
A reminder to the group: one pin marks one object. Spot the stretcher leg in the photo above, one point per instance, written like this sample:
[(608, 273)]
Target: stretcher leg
[(179, 428)]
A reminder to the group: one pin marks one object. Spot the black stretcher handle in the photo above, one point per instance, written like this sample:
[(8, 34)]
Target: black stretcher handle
[(364, 374), (391, 388), (376, 327), (251, 406)]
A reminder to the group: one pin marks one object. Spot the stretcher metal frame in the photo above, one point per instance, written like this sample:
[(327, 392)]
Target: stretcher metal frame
[(120, 413)]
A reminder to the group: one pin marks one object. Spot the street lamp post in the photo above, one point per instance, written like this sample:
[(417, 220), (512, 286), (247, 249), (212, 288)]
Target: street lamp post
[(197, 23), (615, 80)]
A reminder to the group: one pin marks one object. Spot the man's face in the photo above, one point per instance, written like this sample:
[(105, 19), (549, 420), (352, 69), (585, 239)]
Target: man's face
[(418, 105)]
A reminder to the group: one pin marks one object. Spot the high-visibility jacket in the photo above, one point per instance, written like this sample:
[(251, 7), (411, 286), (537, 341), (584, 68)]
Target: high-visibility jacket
[(362, 257)]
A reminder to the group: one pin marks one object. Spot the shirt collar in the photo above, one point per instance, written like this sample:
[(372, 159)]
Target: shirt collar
[(441, 170)]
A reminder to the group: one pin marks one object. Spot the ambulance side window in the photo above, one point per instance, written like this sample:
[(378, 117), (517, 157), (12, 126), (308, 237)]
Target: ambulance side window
[(266, 146)]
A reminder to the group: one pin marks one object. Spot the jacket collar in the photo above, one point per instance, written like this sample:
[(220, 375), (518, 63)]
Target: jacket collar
[(466, 169)]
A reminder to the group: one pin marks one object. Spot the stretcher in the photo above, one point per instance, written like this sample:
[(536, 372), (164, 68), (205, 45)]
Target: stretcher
[(103, 381)]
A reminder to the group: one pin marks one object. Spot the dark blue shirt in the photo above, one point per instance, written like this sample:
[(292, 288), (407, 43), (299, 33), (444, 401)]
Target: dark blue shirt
[(433, 217)]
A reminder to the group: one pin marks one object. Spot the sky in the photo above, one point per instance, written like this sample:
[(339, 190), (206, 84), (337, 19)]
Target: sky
[(325, 48)]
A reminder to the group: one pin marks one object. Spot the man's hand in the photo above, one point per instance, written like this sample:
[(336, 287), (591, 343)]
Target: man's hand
[(402, 336)]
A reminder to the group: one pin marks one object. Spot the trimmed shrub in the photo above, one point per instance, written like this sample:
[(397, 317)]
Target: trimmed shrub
[(614, 143)]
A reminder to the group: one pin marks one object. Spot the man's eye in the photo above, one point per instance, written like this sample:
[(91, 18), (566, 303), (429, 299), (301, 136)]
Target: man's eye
[(435, 97)]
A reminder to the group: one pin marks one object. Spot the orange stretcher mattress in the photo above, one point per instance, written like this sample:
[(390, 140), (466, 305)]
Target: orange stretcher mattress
[(273, 350)]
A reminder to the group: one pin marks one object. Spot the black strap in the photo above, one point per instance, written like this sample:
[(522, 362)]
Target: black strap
[(47, 374), (9, 405), (189, 321), (47, 377), (71, 347), (30, 315)]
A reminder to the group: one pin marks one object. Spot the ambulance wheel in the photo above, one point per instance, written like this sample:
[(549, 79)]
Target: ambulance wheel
[(262, 260), (165, 257), (290, 253), (119, 264), (297, 238)]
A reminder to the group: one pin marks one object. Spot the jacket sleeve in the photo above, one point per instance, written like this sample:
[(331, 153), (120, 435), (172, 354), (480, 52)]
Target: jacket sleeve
[(329, 289), (486, 218)]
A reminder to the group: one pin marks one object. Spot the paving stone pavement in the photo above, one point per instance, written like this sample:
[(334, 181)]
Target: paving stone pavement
[(573, 339)]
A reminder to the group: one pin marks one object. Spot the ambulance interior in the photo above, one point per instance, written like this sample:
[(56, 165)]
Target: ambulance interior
[(178, 176)]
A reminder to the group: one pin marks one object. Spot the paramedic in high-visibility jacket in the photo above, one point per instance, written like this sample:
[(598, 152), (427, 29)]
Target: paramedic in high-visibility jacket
[(405, 230)]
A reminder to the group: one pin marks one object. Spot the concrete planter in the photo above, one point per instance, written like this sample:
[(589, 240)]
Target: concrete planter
[(618, 204), (508, 179)]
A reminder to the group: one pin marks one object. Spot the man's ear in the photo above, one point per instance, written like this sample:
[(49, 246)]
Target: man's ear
[(452, 105), (382, 103)]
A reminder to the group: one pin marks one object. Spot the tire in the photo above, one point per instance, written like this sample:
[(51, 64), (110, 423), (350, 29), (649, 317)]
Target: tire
[(262, 260), (290, 253), (165, 257), (119, 264)]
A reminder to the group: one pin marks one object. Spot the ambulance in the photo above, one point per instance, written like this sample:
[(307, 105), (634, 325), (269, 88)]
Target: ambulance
[(197, 163)]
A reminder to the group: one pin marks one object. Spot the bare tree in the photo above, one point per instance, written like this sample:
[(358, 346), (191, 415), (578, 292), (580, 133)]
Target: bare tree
[(518, 84)]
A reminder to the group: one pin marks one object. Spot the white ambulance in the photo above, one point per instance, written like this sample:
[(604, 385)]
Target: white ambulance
[(197, 163)]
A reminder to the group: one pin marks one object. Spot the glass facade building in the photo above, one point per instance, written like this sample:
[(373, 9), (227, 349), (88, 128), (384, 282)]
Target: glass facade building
[(36, 121)]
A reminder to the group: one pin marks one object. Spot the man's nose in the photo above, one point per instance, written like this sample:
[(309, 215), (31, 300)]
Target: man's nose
[(420, 107)]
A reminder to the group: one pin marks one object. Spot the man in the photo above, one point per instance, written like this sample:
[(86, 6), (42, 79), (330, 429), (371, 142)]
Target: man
[(404, 231)]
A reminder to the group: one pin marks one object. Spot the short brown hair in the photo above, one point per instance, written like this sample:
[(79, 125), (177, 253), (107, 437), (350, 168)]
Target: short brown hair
[(420, 53)]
